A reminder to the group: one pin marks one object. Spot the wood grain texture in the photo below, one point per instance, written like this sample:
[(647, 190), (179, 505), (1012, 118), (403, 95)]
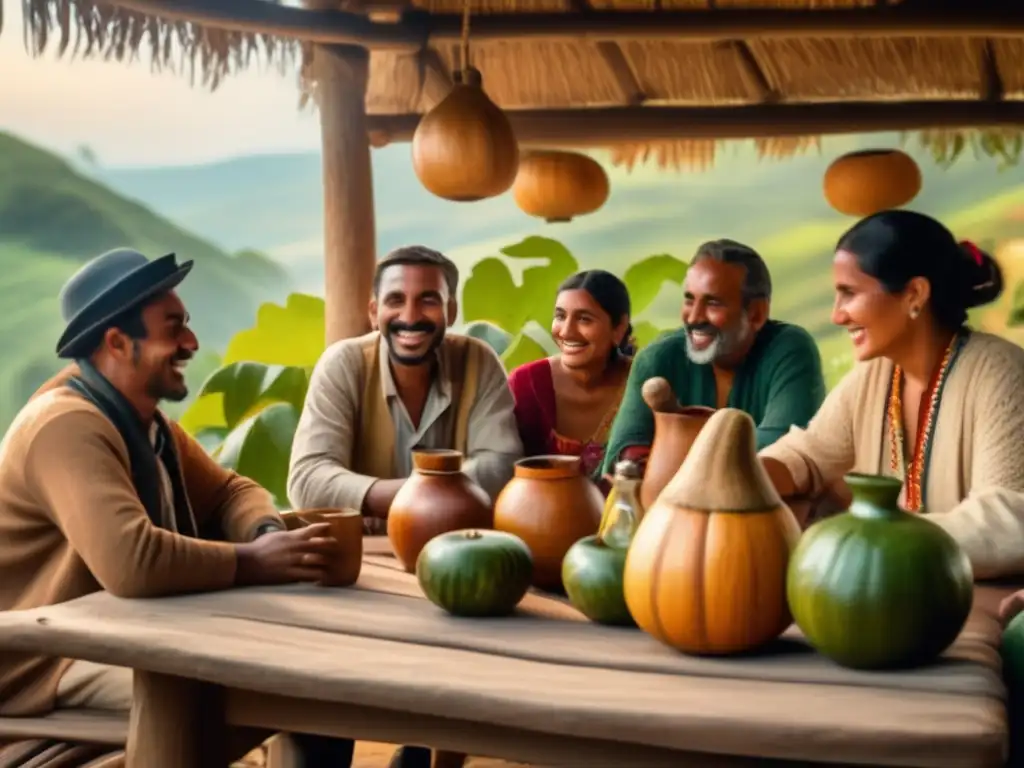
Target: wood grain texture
[(381, 649)]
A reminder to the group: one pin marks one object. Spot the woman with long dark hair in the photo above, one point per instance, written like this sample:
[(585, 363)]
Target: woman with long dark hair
[(931, 402), (566, 404)]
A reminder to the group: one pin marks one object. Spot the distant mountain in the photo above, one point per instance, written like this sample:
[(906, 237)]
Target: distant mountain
[(53, 218)]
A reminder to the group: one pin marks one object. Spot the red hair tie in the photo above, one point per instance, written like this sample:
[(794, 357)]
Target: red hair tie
[(974, 251)]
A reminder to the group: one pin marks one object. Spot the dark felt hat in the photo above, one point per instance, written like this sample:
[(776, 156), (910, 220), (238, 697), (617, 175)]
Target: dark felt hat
[(108, 286)]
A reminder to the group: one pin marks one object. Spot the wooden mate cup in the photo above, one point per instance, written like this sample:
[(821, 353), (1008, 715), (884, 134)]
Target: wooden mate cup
[(347, 529)]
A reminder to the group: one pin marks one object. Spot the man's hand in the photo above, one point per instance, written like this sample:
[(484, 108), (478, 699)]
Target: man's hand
[(283, 557), (378, 499), (1011, 606)]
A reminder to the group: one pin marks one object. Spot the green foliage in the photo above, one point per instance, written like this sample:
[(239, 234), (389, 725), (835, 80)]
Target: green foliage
[(524, 310), (495, 337), (247, 410), (259, 447), (288, 335)]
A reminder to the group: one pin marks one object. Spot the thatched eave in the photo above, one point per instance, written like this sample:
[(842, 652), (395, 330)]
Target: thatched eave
[(619, 73)]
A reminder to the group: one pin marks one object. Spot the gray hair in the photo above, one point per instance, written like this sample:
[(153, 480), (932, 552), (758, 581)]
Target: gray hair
[(757, 284)]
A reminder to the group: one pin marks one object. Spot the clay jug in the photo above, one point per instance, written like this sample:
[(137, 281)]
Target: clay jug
[(675, 429), (550, 504), (706, 569), (437, 498)]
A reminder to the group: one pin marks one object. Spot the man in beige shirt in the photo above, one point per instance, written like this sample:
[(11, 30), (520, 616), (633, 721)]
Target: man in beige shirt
[(405, 385)]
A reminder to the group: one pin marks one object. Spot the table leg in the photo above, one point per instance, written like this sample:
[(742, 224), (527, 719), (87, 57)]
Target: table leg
[(444, 759), (176, 723)]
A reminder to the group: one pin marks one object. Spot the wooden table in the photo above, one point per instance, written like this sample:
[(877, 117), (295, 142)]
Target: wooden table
[(378, 662)]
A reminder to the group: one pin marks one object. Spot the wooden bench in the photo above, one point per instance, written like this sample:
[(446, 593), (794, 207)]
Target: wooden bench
[(68, 738)]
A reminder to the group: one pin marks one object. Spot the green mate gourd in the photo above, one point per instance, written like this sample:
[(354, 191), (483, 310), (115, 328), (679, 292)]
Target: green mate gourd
[(475, 572), (877, 587)]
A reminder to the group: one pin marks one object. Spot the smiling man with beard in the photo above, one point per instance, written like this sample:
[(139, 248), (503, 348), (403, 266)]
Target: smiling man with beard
[(407, 384), (98, 490), (727, 354)]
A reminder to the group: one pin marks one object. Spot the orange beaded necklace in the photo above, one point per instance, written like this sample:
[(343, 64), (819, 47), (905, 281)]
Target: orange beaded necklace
[(915, 474)]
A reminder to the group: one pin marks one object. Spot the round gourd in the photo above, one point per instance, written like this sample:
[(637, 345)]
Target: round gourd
[(592, 575), (877, 587), (869, 181), (1013, 653), (475, 573), (706, 572), (557, 186), (464, 149)]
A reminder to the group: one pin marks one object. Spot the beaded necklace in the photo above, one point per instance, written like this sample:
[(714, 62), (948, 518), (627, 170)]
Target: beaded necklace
[(916, 474)]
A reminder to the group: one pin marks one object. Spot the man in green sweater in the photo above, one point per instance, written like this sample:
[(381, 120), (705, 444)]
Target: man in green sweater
[(727, 354)]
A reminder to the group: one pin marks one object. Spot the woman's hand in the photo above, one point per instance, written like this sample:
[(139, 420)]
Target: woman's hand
[(780, 477)]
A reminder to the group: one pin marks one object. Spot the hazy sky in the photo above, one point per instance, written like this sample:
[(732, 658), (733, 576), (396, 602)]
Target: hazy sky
[(130, 116)]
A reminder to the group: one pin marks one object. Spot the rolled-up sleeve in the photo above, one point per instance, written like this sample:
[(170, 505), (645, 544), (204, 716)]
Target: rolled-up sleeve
[(319, 473), (493, 442)]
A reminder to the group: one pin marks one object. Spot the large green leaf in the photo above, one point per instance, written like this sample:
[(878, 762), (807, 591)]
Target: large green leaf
[(288, 335), (540, 285), (495, 337), (522, 350), (645, 332), (206, 412), (246, 386), (490, 293), (260, 446), (645, 279)]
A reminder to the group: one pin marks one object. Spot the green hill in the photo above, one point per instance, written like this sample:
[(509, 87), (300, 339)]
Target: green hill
[(52, 219)]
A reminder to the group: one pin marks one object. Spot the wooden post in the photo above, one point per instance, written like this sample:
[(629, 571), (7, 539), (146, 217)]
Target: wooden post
[(349, 229)]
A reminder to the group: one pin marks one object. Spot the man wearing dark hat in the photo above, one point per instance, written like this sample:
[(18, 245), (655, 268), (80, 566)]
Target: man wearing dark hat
[(98, 490)]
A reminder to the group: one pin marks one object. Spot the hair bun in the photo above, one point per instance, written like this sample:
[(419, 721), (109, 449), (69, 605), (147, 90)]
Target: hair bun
[(984, 278)]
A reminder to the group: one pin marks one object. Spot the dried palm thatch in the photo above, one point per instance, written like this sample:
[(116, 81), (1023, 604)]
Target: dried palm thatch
[(538, 72)]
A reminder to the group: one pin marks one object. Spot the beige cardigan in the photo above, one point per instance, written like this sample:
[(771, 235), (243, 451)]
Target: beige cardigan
[(975, 477)]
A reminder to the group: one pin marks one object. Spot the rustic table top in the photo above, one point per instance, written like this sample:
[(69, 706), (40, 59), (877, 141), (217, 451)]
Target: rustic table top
[(546, 670)]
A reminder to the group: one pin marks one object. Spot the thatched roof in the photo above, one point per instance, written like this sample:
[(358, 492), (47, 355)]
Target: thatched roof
[(663, 78)]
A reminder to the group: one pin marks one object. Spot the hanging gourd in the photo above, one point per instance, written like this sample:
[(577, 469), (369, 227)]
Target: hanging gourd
[(558, 186), (706, 571), (877, 587), (464, 149), (872, 180)]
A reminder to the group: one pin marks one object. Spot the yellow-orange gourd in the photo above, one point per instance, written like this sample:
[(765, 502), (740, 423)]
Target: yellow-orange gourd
[(464, 149), (557, 186), (706, 571), (866, 182)]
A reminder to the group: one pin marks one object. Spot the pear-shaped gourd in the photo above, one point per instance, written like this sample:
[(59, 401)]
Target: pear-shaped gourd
[(706, 571), (464, 149)]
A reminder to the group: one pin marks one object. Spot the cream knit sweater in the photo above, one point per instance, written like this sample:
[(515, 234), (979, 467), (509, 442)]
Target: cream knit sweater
[(975, 478)]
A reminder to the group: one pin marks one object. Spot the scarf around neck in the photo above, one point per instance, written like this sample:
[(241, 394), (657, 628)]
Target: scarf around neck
[(142, 456)]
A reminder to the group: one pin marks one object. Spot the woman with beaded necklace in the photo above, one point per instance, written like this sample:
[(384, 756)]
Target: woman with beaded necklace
[(930, 401)]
